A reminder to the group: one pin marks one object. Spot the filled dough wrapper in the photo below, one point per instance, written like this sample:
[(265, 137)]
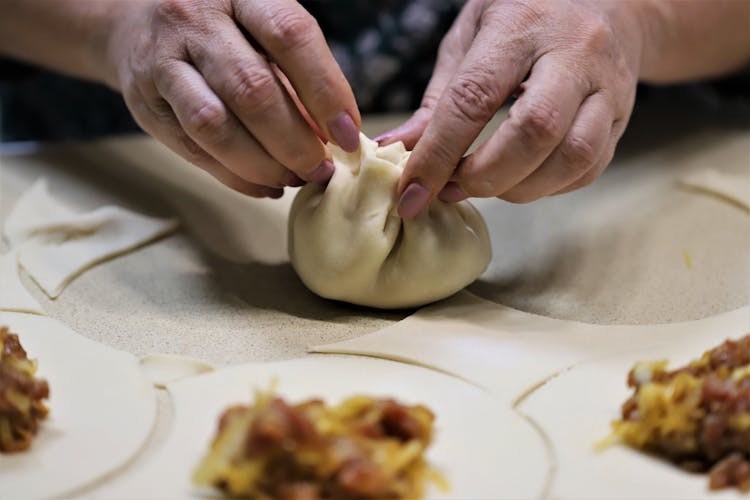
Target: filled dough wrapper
[(347, 242)]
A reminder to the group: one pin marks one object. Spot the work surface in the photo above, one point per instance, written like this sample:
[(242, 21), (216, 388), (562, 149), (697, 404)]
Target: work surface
[(634, 248)]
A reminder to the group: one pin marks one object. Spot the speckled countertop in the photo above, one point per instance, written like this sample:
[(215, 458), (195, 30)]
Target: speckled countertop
[(633, 248)]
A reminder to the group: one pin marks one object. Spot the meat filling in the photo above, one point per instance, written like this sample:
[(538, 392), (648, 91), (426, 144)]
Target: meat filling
[(697, 416), (21, 395), (364, 448)]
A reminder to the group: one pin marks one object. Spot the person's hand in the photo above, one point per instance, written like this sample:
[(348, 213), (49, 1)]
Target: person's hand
[(215, 81), (573, 66)]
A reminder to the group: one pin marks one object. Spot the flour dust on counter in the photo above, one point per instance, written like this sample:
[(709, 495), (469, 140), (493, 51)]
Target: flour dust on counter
[(55, 244), (475, 443), (101, 412)]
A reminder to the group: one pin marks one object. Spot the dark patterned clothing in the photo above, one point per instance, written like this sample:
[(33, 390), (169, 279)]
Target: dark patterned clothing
[(385, 48)]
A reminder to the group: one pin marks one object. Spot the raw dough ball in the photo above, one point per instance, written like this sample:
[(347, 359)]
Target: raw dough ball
[(347, 242)]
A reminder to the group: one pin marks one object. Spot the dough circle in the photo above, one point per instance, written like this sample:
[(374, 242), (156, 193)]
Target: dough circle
[(102, 410), (476, 444), (55, 245), (575, 409), (347, 242)]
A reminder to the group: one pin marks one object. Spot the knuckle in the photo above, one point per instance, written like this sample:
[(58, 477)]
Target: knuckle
[(161, 110), (540, 122), (172, 11), (600, 37), (429, 100), (442, 162), (451, 45), (290, 29), (473, 99), (485, 188), (253, 89), (192, 152), (322, 90), (143, 74), (579, 154), (482, 183), (208, 121)]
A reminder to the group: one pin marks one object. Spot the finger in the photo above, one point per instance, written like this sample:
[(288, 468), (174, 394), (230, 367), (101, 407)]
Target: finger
[(246, 83), (453, 49), (580, 150), (295, 99), (471, 98), (163, 126), (617, 129), (410, 131), (294, 41), (215, 129), (536, 124), (589, 177)]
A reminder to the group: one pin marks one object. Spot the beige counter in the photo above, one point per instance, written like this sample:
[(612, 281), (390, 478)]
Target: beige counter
[(633, 248)]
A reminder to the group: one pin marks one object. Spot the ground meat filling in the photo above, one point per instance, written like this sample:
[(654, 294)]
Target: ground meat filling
[(363, 448), (21, 395), (698, 416)]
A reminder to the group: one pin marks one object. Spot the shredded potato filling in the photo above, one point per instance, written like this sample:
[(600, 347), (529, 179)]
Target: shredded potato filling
[(697, 416), (363, 448), (21, 395)]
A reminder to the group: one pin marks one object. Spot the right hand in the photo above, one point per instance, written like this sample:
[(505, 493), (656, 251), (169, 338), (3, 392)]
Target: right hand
[(191, 79)]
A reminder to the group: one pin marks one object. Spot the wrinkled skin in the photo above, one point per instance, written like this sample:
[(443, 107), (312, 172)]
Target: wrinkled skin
[(574, 68), (246, 112)]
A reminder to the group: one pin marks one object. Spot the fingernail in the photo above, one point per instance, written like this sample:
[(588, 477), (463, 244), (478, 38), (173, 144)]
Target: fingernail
[(323, 173), (344, 132), (385, 136), (452, 193), (405, 132), (413, 200), (274, 193), (293, 180)]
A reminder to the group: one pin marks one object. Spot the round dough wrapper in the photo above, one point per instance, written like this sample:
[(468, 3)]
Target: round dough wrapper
[(102, 410), (483, 449), (575, 410), (347, 242), (162, 369)]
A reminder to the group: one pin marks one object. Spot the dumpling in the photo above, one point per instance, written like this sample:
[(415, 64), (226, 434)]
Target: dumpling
[(347, 242)]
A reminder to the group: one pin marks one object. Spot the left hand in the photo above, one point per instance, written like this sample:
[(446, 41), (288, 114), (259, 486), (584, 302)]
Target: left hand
[(574, 68)]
